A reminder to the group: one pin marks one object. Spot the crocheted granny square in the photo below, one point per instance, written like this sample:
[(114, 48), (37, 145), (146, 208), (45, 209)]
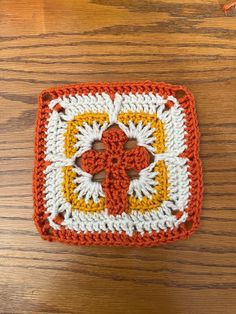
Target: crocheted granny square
[(161, 204)]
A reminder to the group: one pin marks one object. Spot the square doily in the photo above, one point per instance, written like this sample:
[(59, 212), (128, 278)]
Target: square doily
[(159, 205)]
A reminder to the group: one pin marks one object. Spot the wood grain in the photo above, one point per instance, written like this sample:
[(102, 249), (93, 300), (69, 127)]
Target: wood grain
[(46, 43)]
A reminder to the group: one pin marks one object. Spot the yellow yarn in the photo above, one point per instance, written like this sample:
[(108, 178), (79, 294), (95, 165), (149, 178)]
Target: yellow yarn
[(134, 203), (145, 118), (72, 197), (71, 131), (161, 191)]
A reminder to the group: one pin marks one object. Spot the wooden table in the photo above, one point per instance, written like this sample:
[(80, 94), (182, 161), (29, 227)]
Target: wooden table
[(47, 43)]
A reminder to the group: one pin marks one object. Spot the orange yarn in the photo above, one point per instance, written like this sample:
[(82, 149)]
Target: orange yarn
[(146, 118), (115, 160), (72, 129), (162, 193), (229, 6), (134, 203), (71, 197)]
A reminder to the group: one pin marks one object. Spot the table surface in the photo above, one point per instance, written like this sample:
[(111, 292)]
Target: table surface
[(49, 43)]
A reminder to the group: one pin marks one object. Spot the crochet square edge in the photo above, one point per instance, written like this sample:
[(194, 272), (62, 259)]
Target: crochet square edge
[(184, 230)]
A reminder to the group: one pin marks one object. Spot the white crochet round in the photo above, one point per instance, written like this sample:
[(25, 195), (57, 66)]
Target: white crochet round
[(156, 219)]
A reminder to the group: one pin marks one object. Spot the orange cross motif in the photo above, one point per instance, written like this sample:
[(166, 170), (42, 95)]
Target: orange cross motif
[(115, 160)]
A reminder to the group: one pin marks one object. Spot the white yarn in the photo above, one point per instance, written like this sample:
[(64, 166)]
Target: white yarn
[(152, 220), (87, 135), (143, 134), (148, 103), (55, 138), (134, 222), (86, 187), (145, 184), (178, 176)]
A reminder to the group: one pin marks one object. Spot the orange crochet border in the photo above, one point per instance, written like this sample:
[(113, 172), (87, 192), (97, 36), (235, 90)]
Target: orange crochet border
[(229, 6), (184, 230)]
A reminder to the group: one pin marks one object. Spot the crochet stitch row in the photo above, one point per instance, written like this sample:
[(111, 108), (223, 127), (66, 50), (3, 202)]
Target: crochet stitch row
[(161, 205)]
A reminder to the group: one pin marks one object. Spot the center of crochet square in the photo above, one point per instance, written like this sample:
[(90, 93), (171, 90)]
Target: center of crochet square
[(115, 160), (117, 192)]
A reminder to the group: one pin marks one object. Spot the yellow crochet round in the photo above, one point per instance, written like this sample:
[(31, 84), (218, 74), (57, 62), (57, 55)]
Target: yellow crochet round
[(161, 194), (71, 130), (142, 205), (145, 118), (72, 197)]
